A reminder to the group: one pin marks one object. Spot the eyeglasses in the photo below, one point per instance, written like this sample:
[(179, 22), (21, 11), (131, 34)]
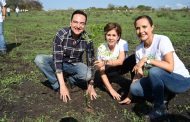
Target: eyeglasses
[(79, 23)]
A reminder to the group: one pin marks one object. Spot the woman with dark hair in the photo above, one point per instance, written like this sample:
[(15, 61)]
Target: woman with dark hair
[(111, 56), (166, 72)]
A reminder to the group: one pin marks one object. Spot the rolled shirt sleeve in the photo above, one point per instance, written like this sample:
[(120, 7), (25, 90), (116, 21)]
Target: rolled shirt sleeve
[(58, 53)]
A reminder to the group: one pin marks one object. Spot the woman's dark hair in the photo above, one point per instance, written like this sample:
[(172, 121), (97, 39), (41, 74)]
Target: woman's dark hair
[(79, 12), (111, 26), (146, 17)]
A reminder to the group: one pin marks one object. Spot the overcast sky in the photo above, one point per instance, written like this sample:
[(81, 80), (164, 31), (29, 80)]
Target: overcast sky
[(82, 4)]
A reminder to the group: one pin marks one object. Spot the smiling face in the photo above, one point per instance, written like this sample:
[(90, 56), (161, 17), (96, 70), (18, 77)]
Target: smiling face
[(144, 30), (77, 24), (112, 38)]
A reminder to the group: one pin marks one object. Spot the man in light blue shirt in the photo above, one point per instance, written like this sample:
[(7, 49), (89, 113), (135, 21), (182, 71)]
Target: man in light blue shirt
[(3, 48)]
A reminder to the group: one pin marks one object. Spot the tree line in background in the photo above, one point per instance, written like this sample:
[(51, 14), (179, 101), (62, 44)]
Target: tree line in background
[(140, 7), (36, 5), (25, 4)]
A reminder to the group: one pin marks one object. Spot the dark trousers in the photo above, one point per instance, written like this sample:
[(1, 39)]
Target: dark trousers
[(126, 67)]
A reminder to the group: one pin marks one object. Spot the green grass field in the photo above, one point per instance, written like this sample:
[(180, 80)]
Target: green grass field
[(32, 33)]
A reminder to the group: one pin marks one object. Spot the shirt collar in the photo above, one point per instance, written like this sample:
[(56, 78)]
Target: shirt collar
[(81, 35)]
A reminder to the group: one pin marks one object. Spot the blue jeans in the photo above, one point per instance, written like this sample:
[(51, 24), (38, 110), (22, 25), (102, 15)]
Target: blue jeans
[(155, 84), (77, 73), (2, 40)]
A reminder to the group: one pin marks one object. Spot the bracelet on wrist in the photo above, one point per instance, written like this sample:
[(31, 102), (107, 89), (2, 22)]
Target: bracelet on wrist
[(148, 61)]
